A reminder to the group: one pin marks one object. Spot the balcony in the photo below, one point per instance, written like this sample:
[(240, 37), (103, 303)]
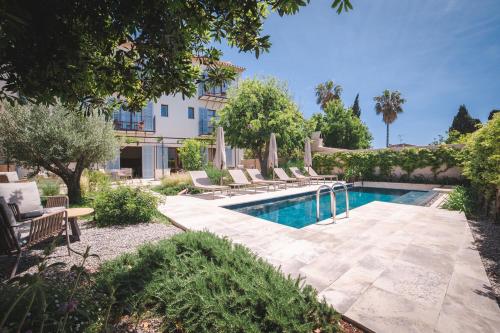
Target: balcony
[(136, 126)]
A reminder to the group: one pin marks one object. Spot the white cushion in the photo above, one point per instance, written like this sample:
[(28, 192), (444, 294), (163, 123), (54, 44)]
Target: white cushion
[(25, 195), (11, 176)]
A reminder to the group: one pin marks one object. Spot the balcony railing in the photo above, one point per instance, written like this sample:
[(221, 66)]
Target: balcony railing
[(139, 126)]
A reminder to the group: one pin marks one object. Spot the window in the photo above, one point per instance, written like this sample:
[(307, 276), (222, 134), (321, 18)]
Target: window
[(190, 113), (164, 110)]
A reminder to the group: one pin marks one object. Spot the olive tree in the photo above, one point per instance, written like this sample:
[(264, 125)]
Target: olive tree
[(56, 139), (255, 109)]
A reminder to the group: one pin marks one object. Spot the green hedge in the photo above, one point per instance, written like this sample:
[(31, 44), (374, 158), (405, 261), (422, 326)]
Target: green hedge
[(197, 282), (363, 164)]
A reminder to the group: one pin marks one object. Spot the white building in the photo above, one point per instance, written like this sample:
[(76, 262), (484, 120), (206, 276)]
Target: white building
[(151, 137)]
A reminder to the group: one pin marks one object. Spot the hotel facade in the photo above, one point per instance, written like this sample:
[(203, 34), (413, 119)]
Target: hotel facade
[(150, 139)]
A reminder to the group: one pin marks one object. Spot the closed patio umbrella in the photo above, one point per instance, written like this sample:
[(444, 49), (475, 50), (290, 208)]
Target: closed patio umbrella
[(220, 151), (272, 160), (307, 154)]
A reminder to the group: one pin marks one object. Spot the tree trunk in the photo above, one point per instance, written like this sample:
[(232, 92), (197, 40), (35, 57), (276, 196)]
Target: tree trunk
[(74, 190), (387, 136)]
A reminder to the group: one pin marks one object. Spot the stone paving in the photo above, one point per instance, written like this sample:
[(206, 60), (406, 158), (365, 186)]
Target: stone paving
[(389, 267)]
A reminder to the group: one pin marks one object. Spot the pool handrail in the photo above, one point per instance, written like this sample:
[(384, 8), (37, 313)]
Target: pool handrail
[(344, 185), (333, 205)]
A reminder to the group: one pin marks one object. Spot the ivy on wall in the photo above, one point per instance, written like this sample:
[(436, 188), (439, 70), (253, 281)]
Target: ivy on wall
[(380, 164)]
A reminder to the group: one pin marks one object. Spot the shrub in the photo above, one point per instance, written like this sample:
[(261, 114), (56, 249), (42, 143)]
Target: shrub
[(215, 175), (49, 187), (459, 199), (174, 184), (124, 205), (190, 154), (93, 181), (481, 164), (197, 282)]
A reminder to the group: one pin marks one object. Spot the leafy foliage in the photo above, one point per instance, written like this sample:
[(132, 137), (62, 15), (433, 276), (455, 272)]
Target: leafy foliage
[(257, 108), (463, 123), (197, 282), (380, 164), (124, 205), (34, 302), (52, 137), (460, 199), (49, 187), (174, 184), (86, 51), (327, 92), (389, 104), (482, 162), (94, 181), (341, 128), (190, 154), (492, 114)]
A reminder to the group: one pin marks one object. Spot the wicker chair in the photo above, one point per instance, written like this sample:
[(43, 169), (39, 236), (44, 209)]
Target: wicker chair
[(4, 179), (13, 241)]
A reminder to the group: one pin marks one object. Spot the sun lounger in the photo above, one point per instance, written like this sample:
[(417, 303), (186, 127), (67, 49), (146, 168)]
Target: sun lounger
[(281, 174), (202, 182), (257, 178), (241, 181), (314, 175), (297, 174)]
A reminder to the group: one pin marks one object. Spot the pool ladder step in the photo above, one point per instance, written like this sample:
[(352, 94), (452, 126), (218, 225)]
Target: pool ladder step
[(333, 200)]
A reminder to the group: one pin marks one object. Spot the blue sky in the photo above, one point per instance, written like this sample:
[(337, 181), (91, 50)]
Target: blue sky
[(438, 53)]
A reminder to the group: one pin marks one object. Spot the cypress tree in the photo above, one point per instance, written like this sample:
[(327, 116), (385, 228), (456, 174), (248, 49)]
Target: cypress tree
[(463, 122), (355, 107)]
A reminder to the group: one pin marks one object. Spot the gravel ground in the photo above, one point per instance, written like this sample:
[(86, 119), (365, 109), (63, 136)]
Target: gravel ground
[(107, 243), (487, 237)]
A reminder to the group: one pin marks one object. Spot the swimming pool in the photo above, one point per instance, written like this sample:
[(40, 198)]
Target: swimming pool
[(299, 210)]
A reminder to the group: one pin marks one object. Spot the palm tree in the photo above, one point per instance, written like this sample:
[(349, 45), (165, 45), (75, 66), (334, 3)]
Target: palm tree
[(389, 104), (326, 92)]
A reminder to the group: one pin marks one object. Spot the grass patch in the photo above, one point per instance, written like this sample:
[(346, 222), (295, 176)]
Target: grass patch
[(197, 282)]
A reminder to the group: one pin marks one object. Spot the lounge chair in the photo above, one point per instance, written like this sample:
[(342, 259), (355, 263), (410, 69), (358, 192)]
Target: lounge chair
[(314, 175), (297, 174), (25, 201), (202, 182), (240, 180), (257, 178), (17, 237), (281, 174)]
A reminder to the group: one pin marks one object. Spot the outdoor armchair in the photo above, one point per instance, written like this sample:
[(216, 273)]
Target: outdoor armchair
[(16, 237)]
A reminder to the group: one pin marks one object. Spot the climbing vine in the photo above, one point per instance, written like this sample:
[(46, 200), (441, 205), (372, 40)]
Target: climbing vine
[(380, 164)]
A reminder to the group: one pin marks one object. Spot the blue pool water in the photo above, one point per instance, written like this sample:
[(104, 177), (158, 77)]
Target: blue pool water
[(300, 210)]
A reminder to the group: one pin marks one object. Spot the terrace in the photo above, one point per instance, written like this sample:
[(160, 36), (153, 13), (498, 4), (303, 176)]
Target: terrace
[(388, 267)]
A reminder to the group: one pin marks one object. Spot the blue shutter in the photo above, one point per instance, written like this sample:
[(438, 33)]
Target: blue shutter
[(147, 117), (159, 157), (203, 121), (229, 157), (114, 164), (147, 162)]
